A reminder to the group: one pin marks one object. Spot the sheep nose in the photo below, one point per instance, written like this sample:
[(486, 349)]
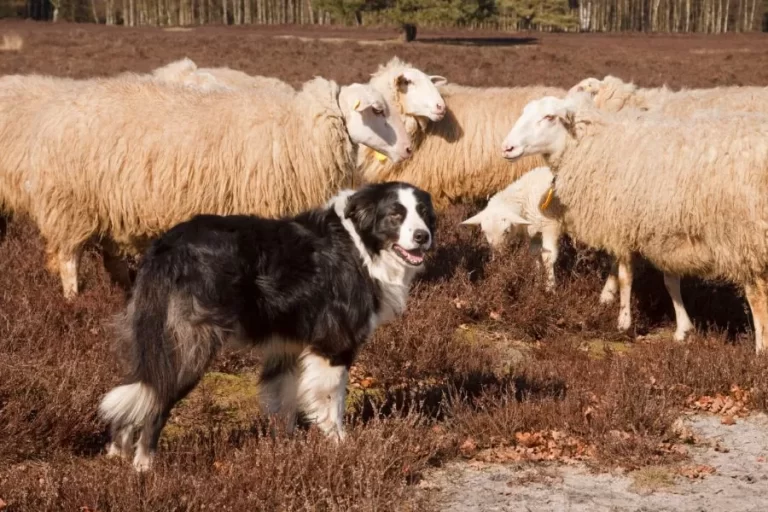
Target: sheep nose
[(421, 236), (408, 150), (508, 148), (440, 107)]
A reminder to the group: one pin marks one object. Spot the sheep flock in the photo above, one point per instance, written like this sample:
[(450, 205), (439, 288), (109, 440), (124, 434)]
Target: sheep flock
[(679, 178)]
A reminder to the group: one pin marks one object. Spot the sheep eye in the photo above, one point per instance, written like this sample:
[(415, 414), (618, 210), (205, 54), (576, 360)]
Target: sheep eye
[(549, 118), (378, 111)]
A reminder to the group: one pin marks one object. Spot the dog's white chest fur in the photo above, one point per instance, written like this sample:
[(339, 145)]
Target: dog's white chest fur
[(393, 276)]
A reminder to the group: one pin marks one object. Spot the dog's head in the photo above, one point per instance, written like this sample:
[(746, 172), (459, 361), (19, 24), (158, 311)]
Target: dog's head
[(393, 217)]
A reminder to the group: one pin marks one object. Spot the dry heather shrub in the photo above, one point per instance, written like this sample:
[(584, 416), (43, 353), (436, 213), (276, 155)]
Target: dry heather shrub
[(11, 43), (624, 403), (368, 472)]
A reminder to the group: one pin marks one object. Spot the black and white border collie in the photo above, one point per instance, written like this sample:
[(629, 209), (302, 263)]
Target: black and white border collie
[(309, 290)]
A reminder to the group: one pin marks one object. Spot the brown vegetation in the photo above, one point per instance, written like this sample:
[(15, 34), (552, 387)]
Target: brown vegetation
[(483, 365)]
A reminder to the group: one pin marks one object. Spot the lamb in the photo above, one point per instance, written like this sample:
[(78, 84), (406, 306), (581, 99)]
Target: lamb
[(687, 194), (613, 95), (125, 159), (525, 207), (457, 157), (186, 71)]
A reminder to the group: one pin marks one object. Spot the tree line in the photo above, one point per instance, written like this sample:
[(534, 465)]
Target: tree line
[(708, 16)]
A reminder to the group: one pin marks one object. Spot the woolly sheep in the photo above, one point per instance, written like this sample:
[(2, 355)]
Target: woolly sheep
[(185, 71), (613, 95), (457, 157), (410, 90), (126, 159), (520, 208), (690, 195)]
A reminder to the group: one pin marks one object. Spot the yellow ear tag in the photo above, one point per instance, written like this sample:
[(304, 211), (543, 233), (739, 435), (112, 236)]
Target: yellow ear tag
[(357, 104), (545, 203), (380, 157)]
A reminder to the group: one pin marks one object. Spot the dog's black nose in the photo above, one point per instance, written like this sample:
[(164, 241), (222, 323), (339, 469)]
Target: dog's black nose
[(421, 236)]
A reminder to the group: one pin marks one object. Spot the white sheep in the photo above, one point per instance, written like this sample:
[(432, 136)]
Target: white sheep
[(525, 208), (614, 95), (691, 195), (406, 88), (456, 157), (127, 158), (185, 71)]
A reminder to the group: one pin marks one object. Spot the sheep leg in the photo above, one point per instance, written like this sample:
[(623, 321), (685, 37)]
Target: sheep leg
[(608, 295), (758, 303), (549, 254), (625, 293), (69, 262), (684, 324)]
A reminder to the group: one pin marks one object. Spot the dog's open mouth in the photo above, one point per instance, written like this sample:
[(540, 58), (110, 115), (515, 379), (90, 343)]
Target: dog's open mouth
[(413, 257)]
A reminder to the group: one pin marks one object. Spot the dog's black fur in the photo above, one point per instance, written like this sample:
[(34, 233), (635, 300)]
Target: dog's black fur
[(215, 278)]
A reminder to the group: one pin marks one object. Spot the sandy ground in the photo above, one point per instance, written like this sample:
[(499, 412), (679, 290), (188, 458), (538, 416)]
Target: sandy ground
[(740, 483)]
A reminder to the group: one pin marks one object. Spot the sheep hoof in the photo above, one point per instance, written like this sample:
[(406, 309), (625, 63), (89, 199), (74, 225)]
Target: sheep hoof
[(625, 322)]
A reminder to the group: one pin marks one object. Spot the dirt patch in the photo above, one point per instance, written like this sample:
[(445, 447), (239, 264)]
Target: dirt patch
[(738, 480)]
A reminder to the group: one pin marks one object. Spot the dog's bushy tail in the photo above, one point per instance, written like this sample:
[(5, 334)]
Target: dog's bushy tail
[(142, 329)]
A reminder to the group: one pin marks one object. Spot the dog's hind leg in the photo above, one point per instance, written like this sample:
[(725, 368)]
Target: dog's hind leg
[(150, 435), (122, 439), (323, 391)]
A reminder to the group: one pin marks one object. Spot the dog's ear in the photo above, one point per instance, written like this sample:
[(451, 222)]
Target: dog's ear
[(361, 211)]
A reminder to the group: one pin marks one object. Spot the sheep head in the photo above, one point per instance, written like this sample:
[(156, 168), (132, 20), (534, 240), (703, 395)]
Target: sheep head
[(589, 85), (415, 92), (496, 219), (372, 123), (543, 128), (419, 94)]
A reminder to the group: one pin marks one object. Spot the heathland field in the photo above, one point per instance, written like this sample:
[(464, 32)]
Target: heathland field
[(488, 385)]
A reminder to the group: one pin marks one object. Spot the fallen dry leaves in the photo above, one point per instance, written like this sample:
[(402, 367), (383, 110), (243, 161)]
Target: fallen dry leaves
[(696, 471), (547, 445), (731, 406)]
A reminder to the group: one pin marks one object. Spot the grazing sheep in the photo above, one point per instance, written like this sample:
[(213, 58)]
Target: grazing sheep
[(526, 209), (691, 196), (185, 71), (128, 158), (613, 95), (457, 157)]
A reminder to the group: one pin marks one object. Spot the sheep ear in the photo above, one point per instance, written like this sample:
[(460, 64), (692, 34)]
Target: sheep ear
[(474, 221), (361, 104), (514, 218), (438, 80)]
